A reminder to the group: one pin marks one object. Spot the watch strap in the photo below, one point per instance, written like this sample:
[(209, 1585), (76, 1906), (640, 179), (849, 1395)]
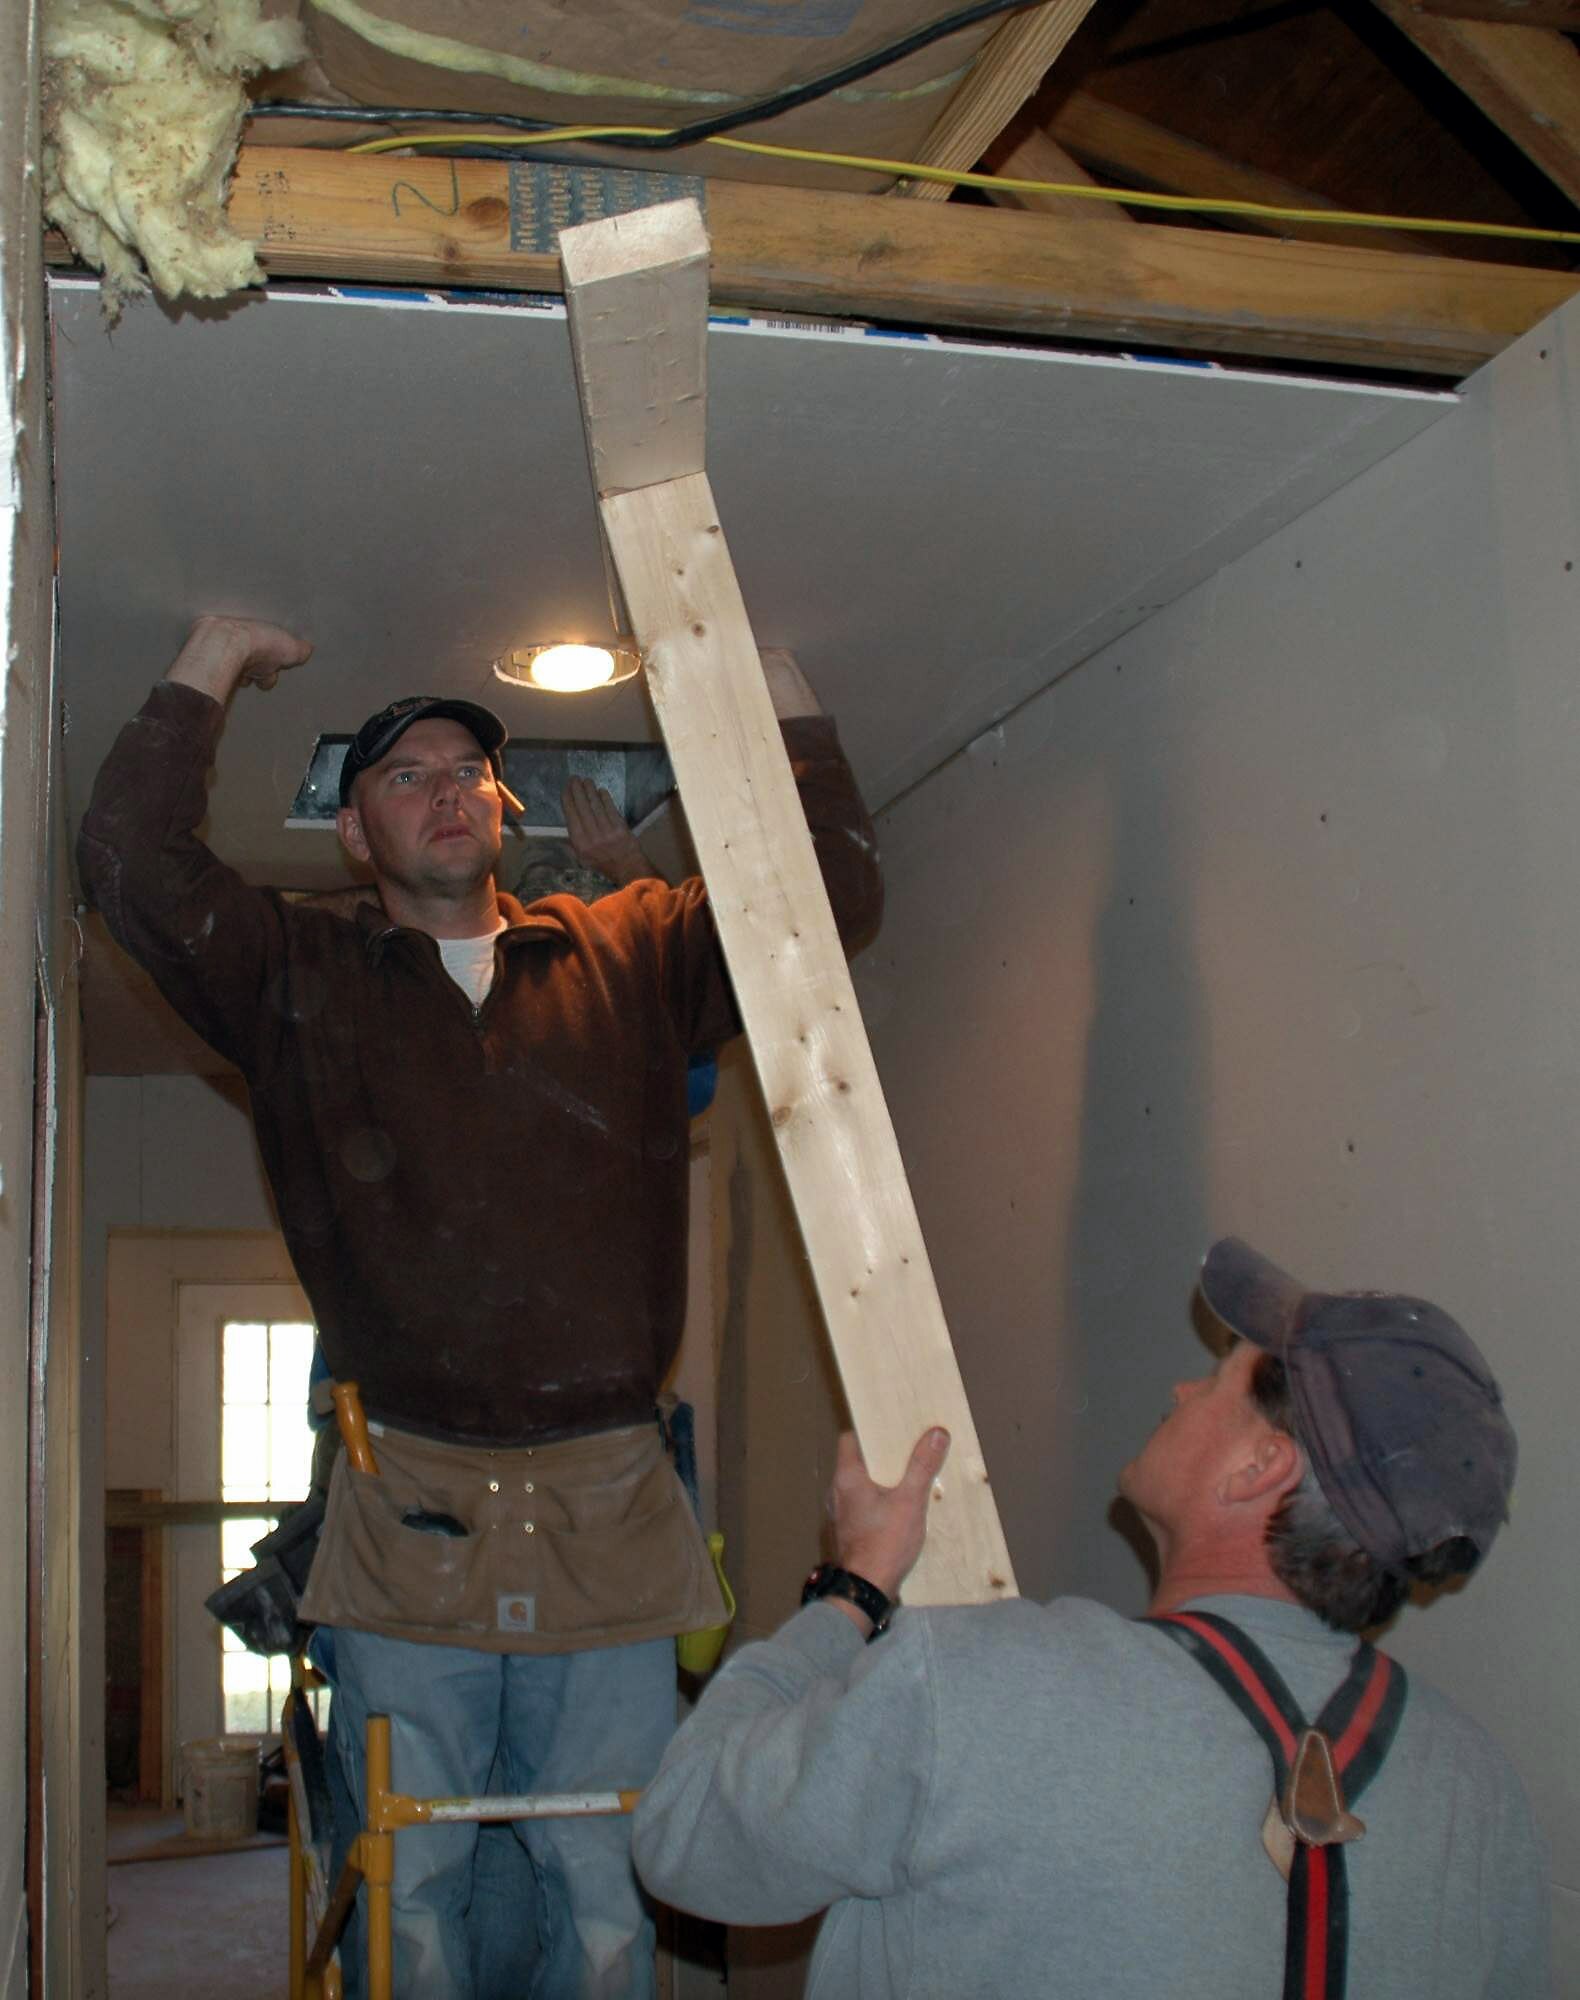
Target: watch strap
[(829, 1580)]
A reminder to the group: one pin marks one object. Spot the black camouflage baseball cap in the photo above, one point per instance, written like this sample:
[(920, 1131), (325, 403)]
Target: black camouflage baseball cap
[(1395, 1405)]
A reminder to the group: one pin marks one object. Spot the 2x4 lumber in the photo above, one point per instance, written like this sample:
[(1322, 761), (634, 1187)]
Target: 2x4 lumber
[(641, 285), (841, 1160), (1526, 80), (1131, 148), (1010, 67), (374, 219), (1025, 152), (792, 986)]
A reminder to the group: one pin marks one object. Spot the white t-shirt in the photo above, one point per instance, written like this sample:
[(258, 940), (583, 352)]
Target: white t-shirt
[(470, 962)]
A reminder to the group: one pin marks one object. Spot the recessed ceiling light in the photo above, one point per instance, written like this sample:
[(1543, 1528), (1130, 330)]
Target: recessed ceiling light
[(568, 669)]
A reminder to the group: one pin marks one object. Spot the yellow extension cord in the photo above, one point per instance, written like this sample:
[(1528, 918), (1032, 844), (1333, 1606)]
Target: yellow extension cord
[(912, 170)]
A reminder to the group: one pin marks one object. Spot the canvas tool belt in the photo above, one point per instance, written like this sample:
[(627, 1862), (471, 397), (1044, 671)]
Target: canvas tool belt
[(586, 1542), (1318, 1770)]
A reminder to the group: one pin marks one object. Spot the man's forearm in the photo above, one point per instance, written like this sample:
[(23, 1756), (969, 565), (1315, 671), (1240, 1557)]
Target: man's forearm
[(210, 941)]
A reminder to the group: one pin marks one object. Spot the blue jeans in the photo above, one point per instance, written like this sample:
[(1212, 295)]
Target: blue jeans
[(588, 1721)]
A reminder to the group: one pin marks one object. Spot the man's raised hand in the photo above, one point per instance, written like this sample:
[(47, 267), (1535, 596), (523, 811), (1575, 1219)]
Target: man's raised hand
[(220, 653)]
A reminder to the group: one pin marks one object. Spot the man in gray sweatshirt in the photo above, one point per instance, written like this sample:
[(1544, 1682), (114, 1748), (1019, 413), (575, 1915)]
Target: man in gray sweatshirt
[(1021, 1799)]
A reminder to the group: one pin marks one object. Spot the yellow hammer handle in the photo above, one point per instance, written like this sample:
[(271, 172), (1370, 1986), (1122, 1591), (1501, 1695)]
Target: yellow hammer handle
[(354, 1427)]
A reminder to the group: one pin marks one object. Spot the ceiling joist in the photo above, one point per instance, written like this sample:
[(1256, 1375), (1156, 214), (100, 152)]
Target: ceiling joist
[(427, 222), (1526, 80), (431, 222)]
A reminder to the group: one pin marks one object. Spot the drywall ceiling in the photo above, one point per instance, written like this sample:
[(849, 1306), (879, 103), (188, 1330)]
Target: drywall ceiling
[(938, 529)]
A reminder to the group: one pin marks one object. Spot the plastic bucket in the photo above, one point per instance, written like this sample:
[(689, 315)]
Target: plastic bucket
[(220, 1787)]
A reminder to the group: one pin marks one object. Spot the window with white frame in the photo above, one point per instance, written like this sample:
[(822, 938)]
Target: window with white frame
[(266, 1452)]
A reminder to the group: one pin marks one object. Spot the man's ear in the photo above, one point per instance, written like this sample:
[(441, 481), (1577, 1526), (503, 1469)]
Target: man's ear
[(1273, 1466), (352, 839)]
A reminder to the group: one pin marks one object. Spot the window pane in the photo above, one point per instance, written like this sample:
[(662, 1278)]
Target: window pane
[(290, 1451), (245, 1446), (245, 1355), (290, 1358), (246, 1712), (236, 1538), (246, 1685)]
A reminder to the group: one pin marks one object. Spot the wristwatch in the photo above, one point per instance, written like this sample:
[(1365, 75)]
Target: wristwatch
[(829, 1580)]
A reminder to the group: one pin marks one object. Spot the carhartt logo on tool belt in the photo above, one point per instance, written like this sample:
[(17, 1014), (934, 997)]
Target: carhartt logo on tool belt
[(518, 1614)]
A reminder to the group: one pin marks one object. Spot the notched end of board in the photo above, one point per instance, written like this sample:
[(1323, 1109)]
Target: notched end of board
[(644, 239)]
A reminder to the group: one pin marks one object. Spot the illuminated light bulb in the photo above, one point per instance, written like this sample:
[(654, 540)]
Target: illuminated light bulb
[(568, 668)]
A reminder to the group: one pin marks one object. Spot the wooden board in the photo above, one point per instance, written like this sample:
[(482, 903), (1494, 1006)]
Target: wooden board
[(1526, 80), (1138, 153), (652, 268), (1025, 152), (793, 988), (1009, 69), (427, 222), (840, 1156)]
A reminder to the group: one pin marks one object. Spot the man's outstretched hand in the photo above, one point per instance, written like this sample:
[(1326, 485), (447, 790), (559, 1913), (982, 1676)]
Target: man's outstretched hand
[(221, 653), (598, 833), (879, 1530)]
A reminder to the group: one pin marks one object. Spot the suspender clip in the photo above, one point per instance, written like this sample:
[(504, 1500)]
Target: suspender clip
[(1312, 1806)]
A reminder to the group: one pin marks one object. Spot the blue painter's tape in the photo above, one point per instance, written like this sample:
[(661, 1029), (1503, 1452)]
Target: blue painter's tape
[(1173, 361), (406, 294)]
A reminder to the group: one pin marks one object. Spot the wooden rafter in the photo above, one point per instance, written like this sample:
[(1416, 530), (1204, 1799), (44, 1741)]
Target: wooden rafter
[(1133, 149), (1024, 151), (1009, 69), (442, 222), (1526, 80)]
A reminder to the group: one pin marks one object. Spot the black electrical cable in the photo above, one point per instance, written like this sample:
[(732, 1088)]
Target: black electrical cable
[(788, 100), (701, 128), (396, 114)]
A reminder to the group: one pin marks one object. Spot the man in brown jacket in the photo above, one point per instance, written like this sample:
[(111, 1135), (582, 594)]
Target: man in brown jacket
[(473, 1117)]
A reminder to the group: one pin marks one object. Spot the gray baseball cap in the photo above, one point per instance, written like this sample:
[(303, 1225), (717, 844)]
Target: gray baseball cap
[(1395, 1405)]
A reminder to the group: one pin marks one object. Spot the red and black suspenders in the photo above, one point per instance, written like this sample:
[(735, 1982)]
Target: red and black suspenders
[(1346, 1744)]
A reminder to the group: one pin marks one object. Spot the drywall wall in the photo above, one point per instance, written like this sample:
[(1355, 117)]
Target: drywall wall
[(1262, 921)]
